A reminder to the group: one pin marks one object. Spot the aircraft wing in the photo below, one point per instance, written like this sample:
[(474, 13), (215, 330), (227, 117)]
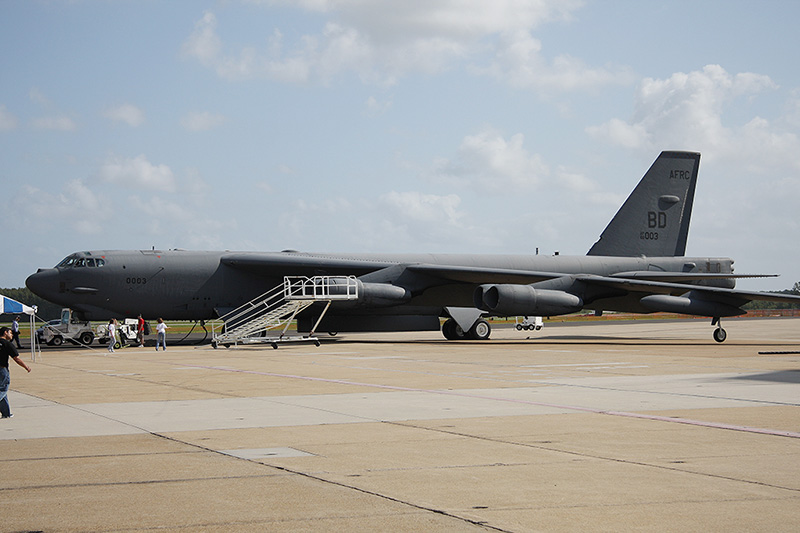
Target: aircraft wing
[(729, 296), (424, 275), (650, 275), (282, 264), (465, 274)]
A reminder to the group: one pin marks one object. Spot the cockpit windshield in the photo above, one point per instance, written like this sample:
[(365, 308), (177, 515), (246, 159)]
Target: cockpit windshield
[(76, 260)]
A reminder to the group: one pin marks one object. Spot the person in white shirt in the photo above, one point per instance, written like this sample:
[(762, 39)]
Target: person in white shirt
[(112, 335), (161, 329)]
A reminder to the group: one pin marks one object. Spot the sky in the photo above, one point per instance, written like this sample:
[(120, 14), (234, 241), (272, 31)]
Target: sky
[(449, 126)]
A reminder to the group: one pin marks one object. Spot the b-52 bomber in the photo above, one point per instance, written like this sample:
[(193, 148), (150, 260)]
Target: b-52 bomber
[(637, 266)]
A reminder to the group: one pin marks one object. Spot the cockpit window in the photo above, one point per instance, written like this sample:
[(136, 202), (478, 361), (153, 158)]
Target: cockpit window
[(67, 262), (75, 260)]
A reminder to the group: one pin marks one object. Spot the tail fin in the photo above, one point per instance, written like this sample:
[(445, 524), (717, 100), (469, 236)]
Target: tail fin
[(654, 220)]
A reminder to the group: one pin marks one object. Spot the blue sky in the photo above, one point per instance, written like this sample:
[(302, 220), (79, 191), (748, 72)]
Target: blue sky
[(369, 126)]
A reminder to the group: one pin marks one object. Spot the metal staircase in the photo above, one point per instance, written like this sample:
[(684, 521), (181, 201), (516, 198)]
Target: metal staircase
[(277, 308)]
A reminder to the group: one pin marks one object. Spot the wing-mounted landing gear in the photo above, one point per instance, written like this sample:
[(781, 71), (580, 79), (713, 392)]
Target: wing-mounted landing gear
[(452, 331), (719, 334), (466, 323)]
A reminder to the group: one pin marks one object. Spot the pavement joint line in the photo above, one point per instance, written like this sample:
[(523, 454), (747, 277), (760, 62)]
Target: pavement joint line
[(123, 483), (321, 479), (628, 414), (678, 420), (599, 457)]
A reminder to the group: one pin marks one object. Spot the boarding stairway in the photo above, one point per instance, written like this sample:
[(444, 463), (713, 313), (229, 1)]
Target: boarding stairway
[(275, 310)]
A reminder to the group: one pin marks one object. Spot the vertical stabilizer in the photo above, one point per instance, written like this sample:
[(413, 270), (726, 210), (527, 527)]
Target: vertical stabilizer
[(654, 220)]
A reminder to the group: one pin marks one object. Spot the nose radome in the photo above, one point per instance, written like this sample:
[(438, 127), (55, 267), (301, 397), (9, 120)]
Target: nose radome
[(43, 282)]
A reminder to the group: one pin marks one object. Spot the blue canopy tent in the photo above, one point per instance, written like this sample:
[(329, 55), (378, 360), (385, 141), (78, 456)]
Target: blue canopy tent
[(12, 307)]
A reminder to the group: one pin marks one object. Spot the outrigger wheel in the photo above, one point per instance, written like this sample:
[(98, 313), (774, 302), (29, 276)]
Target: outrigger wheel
[(719, 334)]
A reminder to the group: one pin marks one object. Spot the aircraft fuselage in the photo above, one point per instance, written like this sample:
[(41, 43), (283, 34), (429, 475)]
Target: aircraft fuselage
[(194, 285)]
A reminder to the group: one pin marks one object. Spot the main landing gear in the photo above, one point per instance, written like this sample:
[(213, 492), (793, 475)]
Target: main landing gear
[(719, 334), (480, 331)]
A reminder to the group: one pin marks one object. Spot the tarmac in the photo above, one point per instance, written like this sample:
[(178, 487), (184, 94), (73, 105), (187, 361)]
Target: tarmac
[(604, 426)]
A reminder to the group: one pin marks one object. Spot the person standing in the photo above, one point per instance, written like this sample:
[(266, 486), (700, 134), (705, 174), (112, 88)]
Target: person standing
[(15, 331), (161, 329), (112, 335), (140, 332), (7, 350)]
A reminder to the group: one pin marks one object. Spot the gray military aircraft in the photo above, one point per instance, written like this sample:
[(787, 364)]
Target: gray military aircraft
[(637, 265)]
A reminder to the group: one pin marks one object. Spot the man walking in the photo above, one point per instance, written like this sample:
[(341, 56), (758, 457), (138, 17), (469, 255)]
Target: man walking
[(15, 331), (7, 350)]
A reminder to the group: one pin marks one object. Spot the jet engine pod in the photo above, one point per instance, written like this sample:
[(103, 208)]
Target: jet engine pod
[(380, 294), (514, 300), (688, 306)]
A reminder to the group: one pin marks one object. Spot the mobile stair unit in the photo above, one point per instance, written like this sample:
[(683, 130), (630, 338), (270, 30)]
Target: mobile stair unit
[(276, 309)]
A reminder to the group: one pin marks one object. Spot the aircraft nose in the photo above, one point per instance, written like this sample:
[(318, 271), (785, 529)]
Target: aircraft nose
[(44, 282)]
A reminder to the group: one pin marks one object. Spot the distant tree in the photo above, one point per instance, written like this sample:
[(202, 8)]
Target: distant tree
[(795, 290), (46, 310)]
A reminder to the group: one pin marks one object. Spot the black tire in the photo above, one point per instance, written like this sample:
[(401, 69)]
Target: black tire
[(452, 331), (480, 330), (720, 335), (57, 341), (519, 327), (87, 337)]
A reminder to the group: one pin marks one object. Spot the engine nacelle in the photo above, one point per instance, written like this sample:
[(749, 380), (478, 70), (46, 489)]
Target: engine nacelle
[(372, 294), (515, 300), (688, 306)]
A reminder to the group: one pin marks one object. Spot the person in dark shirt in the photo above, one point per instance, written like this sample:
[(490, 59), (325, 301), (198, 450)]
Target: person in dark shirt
[(7, 350)]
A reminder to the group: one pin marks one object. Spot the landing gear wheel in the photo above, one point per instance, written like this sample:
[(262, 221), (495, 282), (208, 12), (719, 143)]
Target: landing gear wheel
[(519, 327), (720, 335), (480, 331), (452, 331)]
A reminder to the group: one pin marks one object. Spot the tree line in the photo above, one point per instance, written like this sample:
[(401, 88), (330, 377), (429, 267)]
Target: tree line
[(795, 290)]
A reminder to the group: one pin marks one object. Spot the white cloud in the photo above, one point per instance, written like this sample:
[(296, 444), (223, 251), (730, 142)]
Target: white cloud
[(204, 44), (137, 173), (520, 63), (685, 111), (491, 163), (54, 123), (383, 41), (375, 107), (36, 95), (392, 21), (7, 120), (76, 207), (202, 121), (425, 208), (127, 113)]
